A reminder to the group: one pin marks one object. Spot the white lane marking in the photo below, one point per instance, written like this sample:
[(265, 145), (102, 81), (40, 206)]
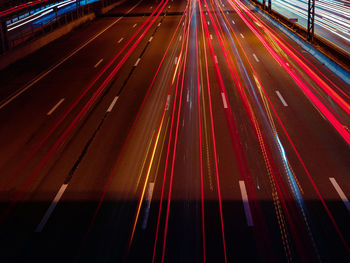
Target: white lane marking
[(134, 25), (167, 102), (150, 39), (169, 6), (180, 38), (208, 23), (110, 108), (159, 24), (247, 212), (216, 60), (211, 37), (188, 95), (281, 98), (224, 100), (2, 105), (233, 22), (255, 57), (120, 40), (137, 62), (55, 107), (98, 63), (51, 208), (227, 12), (340, 193), (148, 204), (175, 61), (241, 35)]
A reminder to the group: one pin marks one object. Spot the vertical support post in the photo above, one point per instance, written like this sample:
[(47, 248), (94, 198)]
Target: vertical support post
[(56, 10), (4, 45), (311, 20), (269, 5), (78, 8)]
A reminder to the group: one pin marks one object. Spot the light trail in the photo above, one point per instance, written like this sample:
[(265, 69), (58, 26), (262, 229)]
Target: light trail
[(200, 138), (176, 137), (79, 116), (331, 16), (296, 77), (183, 37)]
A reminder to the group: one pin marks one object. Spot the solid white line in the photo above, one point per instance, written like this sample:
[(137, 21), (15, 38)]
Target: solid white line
[(134, 25), (175, 61), (216, 60), (247, 212), (256, 58), (120, 40), (233, 22), (110, 108), (180, 38), (208, 23), (137, 62), (150, 39), (211, 37), (51, 208), (63, 60), (241, 35), (55, 107), (224, 100), (281, 98), (340, 193), (98, 63), (159, 24)]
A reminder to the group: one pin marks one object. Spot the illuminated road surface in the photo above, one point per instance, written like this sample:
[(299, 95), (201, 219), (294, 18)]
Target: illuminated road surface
[(179, 132)]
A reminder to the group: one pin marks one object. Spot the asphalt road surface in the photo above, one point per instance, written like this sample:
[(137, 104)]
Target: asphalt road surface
[(174, 131)]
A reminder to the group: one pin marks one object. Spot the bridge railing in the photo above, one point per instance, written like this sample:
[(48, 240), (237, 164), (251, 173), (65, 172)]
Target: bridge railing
[(26, 24)]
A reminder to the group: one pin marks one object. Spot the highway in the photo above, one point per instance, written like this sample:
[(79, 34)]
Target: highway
[(174, 131)]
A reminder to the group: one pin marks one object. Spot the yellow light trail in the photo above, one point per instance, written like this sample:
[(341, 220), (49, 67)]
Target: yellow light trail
[(146, 181)]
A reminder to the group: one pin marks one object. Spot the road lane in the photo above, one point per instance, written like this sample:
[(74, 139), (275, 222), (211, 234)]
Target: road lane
[(211, 122)]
